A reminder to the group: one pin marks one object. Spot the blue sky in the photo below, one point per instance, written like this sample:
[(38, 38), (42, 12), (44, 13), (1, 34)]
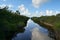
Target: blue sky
[(33, 7)]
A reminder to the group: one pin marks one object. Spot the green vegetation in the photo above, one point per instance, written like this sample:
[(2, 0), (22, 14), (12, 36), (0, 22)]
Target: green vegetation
[(54, 20), (51, 20), (11, 23)]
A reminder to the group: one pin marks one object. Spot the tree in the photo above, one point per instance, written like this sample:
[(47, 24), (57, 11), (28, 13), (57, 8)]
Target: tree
[(17, 12), (58, 15)]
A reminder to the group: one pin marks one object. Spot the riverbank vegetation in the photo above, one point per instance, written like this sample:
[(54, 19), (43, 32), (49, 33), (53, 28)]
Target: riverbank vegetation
[(50, 22), (11, 23)]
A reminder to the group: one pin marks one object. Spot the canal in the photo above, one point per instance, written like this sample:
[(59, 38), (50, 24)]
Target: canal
[(33, 31)]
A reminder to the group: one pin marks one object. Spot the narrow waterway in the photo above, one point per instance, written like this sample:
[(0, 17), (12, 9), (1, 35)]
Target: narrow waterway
[(33, 32)]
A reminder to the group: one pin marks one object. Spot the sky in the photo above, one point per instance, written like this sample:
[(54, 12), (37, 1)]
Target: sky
[(33, 8)]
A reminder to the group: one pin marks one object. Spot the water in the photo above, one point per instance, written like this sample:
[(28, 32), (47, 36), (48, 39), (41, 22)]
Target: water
[(33, 32)]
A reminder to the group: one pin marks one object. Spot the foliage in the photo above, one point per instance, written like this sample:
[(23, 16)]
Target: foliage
[(54, 20), (9, 22)]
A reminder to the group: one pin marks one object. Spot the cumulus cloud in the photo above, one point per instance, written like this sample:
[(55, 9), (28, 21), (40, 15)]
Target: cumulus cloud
[(37, 14), (21, 7), (37, 3), (44, 13), (23, 10), (51, 12)]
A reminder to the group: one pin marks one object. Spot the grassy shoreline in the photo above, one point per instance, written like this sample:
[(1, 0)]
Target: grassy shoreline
[(52, 23)]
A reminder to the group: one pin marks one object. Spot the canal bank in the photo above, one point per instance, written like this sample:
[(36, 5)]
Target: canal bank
[(53, 32)]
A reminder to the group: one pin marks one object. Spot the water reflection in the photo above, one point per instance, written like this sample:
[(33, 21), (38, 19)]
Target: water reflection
[(27, 34)]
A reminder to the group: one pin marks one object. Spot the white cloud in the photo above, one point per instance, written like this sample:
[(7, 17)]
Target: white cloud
[(23, 10), (21, 7), (37, 14), (4, 5), (57, 12), (10, 6), (26, 12), (46, 13), (41, 13), (51, 12), (37, 3)]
